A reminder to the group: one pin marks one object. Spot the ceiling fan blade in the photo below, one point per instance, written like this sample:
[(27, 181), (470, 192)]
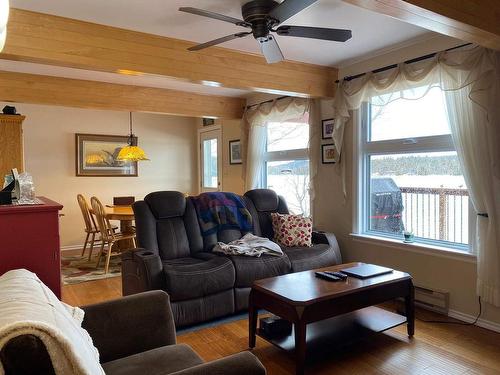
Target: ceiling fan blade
[(270, 49), (338, 35), (289, 8), (217, 16), (218, 41)]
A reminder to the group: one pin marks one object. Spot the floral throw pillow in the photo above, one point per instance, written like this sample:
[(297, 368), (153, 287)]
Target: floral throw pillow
[(292, 230)]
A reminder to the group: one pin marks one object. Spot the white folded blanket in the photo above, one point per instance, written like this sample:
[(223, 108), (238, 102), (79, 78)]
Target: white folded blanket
[(28, 307), (249, 245)]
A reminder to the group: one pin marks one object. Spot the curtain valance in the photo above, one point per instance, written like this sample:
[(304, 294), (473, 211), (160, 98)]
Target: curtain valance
[(450, 70)]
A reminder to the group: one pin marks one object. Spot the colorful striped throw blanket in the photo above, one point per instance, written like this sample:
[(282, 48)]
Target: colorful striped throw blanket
[(218, 211)]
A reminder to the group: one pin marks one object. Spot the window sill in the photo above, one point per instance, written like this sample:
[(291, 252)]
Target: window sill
[(419, 248)]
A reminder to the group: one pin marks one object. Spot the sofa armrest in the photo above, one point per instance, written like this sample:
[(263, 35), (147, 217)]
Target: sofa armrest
[(237, 364), (329, 239), (130, 325), (142, 270)]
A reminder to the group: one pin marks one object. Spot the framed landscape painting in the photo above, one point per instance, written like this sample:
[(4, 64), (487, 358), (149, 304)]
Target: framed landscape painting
[(96, 156)]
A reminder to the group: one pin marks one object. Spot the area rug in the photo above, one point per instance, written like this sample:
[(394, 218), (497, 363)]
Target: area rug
[(77, 269)]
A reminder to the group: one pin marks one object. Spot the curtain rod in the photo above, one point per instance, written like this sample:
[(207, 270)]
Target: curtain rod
[(411, 61), (267, 101)]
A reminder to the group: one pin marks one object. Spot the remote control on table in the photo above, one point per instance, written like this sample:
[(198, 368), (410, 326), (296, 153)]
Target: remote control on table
[(327, 276), (340, 275)]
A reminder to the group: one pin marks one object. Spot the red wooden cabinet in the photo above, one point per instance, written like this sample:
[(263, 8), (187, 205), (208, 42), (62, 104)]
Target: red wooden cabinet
[(29, 238)]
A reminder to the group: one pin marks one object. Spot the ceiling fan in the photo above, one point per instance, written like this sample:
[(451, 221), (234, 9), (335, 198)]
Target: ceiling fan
[(264, 17)]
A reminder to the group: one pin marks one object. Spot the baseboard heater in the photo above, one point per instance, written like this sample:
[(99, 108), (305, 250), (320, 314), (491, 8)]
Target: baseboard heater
[(432, 299)]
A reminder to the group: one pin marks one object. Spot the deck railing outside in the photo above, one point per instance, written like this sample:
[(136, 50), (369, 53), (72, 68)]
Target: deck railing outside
[(436, 213)]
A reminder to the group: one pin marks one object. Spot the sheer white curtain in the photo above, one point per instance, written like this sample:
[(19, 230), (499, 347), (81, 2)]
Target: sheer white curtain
[(474, 114), (470, 77), (314, 148), (254, 133)]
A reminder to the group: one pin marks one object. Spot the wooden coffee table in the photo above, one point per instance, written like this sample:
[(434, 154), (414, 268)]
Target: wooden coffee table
[(334, 313)]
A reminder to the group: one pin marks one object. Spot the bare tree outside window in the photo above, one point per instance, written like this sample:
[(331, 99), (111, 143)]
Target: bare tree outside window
[(289, 178)]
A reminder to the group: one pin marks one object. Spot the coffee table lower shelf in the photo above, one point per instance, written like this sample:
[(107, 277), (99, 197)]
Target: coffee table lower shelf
[(339, 331)]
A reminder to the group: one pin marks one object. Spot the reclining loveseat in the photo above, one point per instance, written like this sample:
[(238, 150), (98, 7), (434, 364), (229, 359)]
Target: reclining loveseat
[(174, 256)]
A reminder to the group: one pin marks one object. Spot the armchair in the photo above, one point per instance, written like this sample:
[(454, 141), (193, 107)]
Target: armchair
[(136, 335)]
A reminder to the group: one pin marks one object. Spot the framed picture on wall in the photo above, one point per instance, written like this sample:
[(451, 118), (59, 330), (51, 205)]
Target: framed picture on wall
[(96, 156), (327, 128), (328, 154), (208, 121), (235, 152)]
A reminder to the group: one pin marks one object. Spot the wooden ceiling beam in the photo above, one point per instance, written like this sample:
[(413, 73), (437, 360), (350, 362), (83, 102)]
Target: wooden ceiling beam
[(475, 21), (39, 89), (48, 39)]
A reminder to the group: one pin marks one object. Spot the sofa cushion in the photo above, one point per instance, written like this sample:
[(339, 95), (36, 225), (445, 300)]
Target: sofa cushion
[(191, 277), (292, 230), (197, 310), (172, 238), (308, 258), (161, 227), (166, 204), (265, 201), (159, 361), (249, 269), (223, 234)]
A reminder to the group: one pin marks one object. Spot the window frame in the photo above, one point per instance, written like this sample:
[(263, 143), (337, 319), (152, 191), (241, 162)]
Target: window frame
[(364, 148)]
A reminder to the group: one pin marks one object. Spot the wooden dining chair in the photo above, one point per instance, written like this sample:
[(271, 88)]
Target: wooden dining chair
[(108, 236), (91, 229), (90, 226)]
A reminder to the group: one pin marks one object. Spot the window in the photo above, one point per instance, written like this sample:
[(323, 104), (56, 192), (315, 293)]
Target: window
[(287, 163), (409, 174)]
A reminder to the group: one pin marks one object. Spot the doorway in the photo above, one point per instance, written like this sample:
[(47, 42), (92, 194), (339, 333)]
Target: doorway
[(210, 159)]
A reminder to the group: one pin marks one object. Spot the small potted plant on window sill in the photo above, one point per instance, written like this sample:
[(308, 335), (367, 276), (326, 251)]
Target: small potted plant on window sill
[(409, 237)]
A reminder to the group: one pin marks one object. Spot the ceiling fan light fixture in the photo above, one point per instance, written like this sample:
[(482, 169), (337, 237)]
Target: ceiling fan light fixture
[(132, 152), (264, 17)]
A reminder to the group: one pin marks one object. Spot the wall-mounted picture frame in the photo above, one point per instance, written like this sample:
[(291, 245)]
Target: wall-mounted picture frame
[(329, 154), (235, 152), (96, 156), (208, 121), (327, 128)]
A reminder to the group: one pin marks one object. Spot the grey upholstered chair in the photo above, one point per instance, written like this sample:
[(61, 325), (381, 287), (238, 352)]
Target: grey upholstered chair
[(135, 335)]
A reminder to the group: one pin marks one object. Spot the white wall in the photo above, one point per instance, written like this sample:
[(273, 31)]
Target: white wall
[(334, 213), (49, 144)]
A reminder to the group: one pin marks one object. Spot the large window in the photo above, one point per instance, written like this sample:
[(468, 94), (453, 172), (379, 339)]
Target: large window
[(287, 163), (410, 178)]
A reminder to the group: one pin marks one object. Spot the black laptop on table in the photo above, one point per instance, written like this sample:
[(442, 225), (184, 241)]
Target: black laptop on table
[(365, 271)]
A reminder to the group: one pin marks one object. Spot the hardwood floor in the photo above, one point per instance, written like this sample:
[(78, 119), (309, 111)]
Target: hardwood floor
[(437, 349)]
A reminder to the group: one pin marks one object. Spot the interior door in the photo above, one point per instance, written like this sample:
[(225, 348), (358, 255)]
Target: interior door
[(210, 160)]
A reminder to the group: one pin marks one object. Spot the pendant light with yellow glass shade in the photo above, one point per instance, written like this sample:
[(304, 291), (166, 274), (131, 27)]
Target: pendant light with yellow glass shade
[(132, 152)]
